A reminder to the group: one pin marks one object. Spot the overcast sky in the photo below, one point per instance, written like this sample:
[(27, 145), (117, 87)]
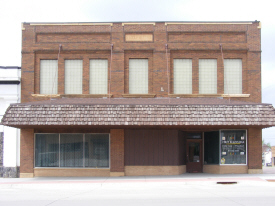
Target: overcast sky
[(14, 12)]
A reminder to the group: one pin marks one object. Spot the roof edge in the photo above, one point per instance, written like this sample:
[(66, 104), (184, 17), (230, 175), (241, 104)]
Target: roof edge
[(131, 22)]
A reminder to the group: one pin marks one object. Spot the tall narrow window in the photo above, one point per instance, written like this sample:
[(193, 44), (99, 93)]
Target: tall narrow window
[(208, 76), (138, 76), (233, 76), (98, 76), (182, 76), (73, 76), (48, 76)]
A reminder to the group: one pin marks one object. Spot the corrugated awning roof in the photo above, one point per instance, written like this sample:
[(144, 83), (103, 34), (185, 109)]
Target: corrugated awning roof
[(139, 112)]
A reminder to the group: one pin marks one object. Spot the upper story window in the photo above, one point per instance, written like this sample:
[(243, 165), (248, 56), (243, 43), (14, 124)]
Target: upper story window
[(48, 76), (208, 76), (73, 76), (138, 76), (182, 76), (233, 76), (98, 76)]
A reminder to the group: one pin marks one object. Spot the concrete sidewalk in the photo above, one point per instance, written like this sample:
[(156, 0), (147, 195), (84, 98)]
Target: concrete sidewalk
[(187, 177), (187, 189)]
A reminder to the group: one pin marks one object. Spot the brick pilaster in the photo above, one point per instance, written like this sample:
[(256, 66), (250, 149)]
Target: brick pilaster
[(254, 148), (26, 153), (117, 151)]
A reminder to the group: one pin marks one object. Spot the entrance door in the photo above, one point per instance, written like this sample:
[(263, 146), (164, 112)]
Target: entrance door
[(194, 155)]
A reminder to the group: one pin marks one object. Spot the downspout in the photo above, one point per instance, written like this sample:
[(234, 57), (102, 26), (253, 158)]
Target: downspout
[(56, 72), (224, 73), (110, 72), (168, 73)]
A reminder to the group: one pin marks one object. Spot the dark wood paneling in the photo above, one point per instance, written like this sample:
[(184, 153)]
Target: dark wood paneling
[(161, 152), (151, 150), (127, 148), (153, 147), (147, 149), (182, 150), (167, 141)]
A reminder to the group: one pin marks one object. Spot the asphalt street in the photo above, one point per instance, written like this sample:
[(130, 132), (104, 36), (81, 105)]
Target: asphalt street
[(186, 189)]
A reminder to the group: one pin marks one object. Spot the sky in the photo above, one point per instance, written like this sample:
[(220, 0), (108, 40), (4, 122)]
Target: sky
[(14, 12)]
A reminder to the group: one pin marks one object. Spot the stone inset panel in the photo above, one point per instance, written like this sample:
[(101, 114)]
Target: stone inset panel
[(138, 37)]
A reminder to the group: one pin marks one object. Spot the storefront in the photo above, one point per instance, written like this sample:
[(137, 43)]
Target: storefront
[(62, 138)]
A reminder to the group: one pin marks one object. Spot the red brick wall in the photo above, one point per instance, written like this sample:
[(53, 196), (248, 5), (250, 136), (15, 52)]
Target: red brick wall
[(26, 151), (184, 41), (254, 148), (117, 150)]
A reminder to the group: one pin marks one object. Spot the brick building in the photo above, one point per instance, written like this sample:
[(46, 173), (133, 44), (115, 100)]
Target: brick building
[(144, 98)]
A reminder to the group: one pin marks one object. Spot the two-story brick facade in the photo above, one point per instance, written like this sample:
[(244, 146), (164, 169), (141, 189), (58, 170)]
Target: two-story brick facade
[(144, 98)]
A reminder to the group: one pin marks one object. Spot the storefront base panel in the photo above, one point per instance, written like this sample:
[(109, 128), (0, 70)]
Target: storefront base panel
[(68, 172), (117, 174), (26, 175), (154, 170), (255, 171), (225, 169)]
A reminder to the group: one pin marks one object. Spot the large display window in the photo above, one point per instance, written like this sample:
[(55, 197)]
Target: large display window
[(233, 147), (72, 150)]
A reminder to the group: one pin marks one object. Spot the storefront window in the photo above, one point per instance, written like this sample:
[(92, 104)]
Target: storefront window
[(72, 150), (47, 150), (233, 147)]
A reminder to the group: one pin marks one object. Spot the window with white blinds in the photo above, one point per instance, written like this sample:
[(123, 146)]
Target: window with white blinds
[(138, 76), (208, 76), (182, 76), (73, 76), (98, 76), (233, 76), (48, 76)]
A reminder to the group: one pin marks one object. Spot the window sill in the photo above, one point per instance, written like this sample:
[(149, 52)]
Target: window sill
[(209, 95), (72, 95), (86, 95), (194, 95), (236, 95), (46, 95), (139, 95)]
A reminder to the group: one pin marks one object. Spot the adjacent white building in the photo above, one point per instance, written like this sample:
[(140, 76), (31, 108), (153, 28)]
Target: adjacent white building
[(9, 137), (266, 155)]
